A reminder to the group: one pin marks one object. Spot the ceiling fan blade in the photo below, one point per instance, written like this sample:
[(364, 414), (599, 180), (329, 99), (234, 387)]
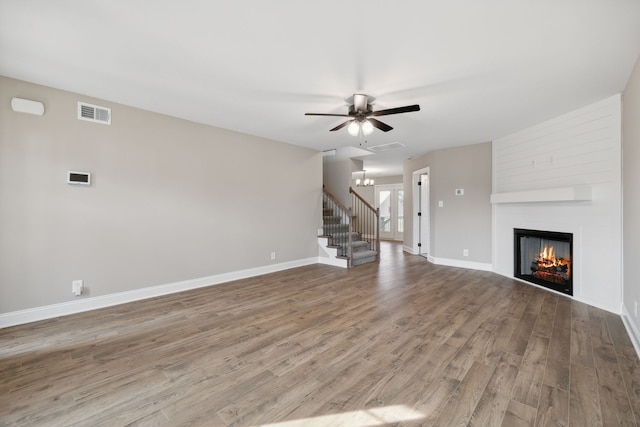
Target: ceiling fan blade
[(340, 126), (330, 115), (397, 110), (378, 124)]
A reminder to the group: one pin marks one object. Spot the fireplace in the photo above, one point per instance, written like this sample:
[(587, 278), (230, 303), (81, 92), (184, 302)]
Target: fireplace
[(544, 258)]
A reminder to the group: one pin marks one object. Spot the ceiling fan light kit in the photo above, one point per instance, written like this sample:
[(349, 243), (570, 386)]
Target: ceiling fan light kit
[(355, 127), (361, 115), (366, 127)]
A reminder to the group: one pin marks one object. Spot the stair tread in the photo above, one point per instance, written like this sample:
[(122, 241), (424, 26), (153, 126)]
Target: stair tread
[(345, 234)]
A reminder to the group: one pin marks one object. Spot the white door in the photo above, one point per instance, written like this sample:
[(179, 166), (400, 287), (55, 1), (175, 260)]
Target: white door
[(390, 200)]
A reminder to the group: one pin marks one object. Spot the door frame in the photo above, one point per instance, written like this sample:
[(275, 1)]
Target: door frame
[(393, 209), (425, 247)]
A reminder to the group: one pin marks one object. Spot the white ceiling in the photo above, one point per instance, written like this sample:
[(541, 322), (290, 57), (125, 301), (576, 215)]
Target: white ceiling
[(479, 69)]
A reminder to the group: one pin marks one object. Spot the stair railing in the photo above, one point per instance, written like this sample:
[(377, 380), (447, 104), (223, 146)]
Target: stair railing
[(332, 202), (366, 221)]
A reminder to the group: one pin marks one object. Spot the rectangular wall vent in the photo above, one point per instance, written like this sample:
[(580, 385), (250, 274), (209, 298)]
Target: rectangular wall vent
[(94, 113), (78, 178)]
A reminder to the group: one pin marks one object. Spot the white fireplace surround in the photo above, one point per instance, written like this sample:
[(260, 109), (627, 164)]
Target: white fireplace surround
[(564, 175)]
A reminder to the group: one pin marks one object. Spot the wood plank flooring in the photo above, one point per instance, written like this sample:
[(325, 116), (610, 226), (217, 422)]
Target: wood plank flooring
[(402, 343)]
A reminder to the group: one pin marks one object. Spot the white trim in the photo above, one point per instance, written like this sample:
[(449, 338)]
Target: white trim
[(453, 262), (560, 194), (633, 332), (415, 194), (86, 304), (462, 264), (336, 262), (408, 249), (394, 234)]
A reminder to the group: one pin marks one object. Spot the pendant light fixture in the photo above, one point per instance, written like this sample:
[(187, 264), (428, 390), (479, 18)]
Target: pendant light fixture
[(364, 182)]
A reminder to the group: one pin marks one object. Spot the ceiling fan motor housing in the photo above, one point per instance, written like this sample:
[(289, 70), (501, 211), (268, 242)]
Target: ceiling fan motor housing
[(360, 115)]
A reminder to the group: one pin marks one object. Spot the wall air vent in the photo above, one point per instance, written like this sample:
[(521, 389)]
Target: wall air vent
[(94, 113)]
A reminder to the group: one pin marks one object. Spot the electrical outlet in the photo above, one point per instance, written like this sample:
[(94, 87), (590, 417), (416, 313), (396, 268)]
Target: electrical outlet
[(440, 203), (635, 308), (465, 252), (273, 256), (76, 287)]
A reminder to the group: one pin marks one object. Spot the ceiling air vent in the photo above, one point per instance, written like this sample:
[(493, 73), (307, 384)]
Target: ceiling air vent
[(94, 113), (387, 147)]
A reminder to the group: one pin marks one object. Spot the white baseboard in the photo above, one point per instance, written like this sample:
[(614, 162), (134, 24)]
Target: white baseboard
[(462, 264), (86, 304), (336, 262), (453, 262), (408, 249), (633, 332)]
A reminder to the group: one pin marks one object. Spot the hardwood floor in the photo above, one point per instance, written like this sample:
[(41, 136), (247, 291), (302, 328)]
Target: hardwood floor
[(403, 343)]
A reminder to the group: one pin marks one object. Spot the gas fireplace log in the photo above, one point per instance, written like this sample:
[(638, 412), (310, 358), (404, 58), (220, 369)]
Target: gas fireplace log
[(549, 277)]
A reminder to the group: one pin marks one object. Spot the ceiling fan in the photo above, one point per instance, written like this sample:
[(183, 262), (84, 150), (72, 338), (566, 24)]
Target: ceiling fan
[(361, 116)]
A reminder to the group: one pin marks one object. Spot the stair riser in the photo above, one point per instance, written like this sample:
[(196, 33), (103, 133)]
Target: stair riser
[(362, 261), (338, 226), (331, 220)]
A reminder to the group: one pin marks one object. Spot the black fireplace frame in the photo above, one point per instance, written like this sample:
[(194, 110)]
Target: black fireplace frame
[(567, 287)]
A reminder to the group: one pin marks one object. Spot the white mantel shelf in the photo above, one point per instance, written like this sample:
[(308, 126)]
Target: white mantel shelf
[(576, 193)]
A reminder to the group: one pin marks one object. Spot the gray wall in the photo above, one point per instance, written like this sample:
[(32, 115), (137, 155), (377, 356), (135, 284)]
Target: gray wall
[(631, 195), (171, 200), (337, 170), (464, 221)]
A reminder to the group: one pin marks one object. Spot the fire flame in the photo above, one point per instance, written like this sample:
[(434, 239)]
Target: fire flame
[(547, 259)]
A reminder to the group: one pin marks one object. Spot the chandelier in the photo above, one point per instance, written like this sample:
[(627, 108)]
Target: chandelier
[(364, 182)]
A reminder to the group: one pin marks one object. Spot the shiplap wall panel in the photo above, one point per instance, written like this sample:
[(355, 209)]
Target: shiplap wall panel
[(578, 148), (574, 149)]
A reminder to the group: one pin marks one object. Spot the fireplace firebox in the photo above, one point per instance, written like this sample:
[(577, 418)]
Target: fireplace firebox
[(544, 258)]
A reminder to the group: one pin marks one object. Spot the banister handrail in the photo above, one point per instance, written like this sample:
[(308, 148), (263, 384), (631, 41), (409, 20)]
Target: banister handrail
[(352, 191), (334, 198), (367, 221)]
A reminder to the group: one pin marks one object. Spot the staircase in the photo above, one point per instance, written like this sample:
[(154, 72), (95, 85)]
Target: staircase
[(352, 232)]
